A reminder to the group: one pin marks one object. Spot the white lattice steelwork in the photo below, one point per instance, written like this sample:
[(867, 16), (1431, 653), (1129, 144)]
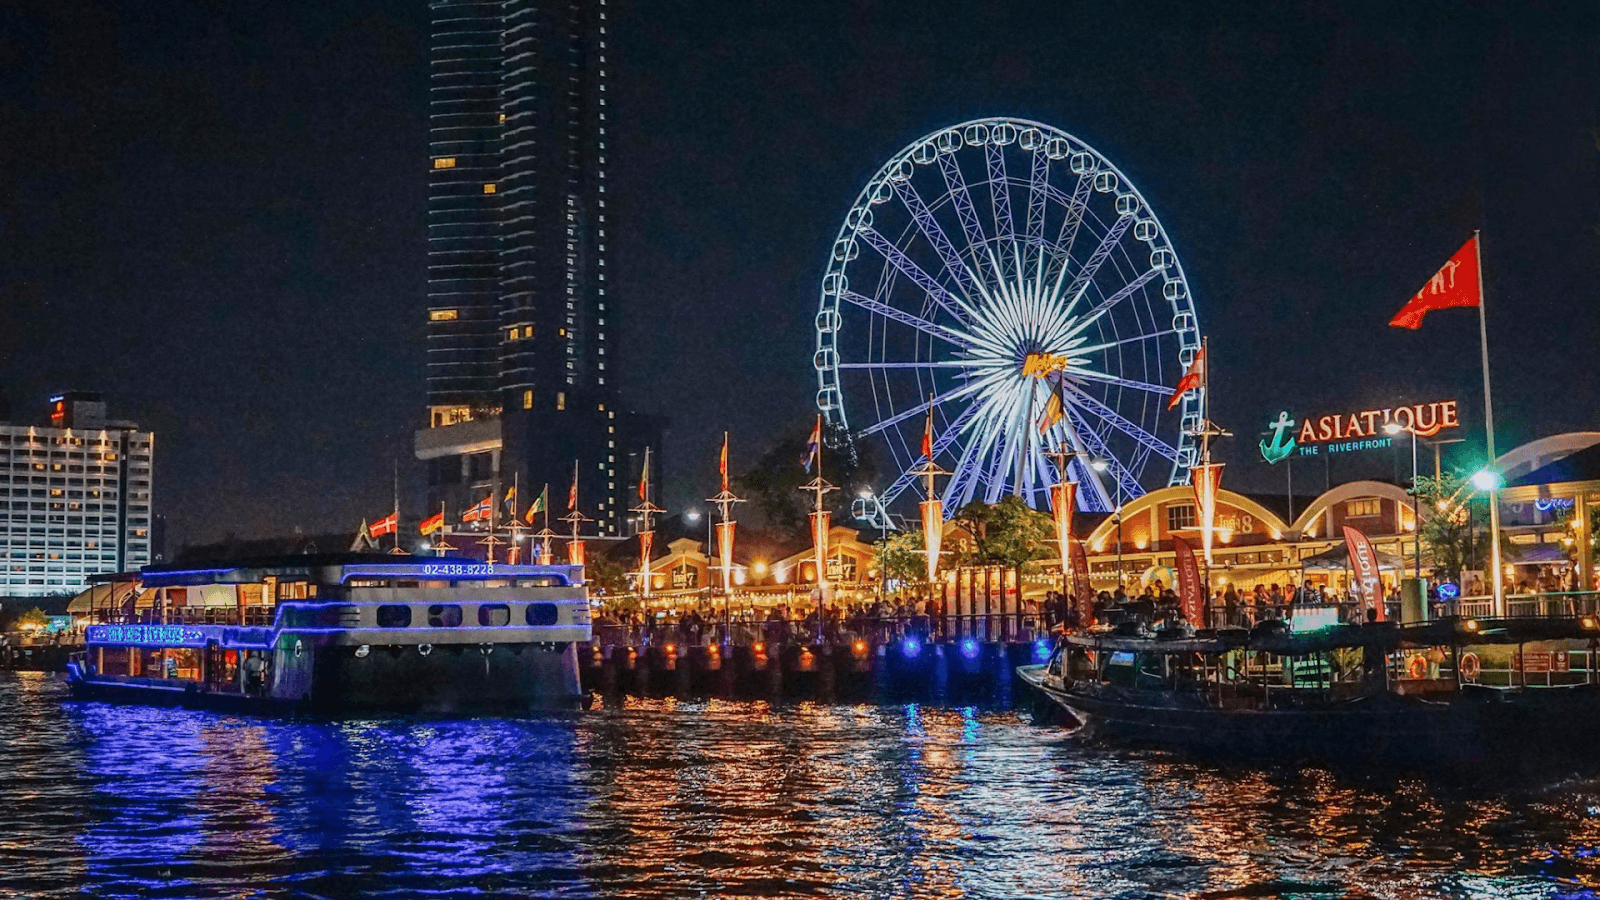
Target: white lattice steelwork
[(989, 267)]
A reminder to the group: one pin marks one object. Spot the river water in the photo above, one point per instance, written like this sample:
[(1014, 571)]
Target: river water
[(712, 799)]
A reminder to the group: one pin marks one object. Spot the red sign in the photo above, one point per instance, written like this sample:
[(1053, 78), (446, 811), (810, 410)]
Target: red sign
[(1364, 560), (1426, 419), (1191, 590)]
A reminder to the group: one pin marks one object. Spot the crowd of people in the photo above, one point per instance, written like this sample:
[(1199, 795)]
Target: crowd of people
[(877, 621)]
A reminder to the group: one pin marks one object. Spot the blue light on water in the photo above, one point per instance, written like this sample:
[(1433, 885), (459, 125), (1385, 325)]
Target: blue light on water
[(969, 648), (1041, 650), (911, 648)]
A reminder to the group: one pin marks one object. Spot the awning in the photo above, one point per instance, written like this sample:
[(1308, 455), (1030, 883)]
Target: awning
[(1541, 555), (1337, 559)]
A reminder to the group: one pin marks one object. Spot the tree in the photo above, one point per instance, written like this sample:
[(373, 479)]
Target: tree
[(772, 485), (33, 619), (1009, 533), (610, 577), (1449, 533), (902, 557)]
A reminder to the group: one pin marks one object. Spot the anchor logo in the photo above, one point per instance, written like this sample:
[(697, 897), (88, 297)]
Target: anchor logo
[(1282, 440)]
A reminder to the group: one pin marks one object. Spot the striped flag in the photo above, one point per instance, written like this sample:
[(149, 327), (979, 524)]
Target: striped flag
[(572, 495), (644, 477), (813, 446), (539, 504), (511, 499), (432, 523)]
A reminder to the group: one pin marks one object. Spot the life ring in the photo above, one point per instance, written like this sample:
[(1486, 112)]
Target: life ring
[(1469, 665), (1417, 667)]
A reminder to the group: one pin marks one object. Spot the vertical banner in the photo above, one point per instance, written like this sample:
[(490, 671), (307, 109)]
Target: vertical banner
[(646, 540), (820, 521), (932, 534), (575, 553), (1063, 498), (1191, 590), (725, 553), (1206, 477), (1082, 592), (1364, 560)]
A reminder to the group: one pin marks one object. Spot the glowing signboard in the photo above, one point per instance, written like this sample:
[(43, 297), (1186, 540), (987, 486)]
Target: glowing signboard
[(1041, 364), (1353, 431), (147, 635)]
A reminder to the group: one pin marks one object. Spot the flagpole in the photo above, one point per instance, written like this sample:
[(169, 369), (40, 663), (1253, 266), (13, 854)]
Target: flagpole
[(397, 504), (1488, 424)]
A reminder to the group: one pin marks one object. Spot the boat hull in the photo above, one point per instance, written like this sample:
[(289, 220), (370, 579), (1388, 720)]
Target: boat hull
[(1477, 731), (459, 679)]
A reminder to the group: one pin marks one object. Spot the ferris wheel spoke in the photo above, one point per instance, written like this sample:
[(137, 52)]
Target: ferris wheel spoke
[(1105, 305), (928, 283), (1076, 396), (1109, 242), (1076, 205), (920, 409), (999, 193), (905, 318), (926, 364), (1138, 338), (1036, 198), (929, 226), (940, 445), (961, 199), (1087, 439), (1103, 378)]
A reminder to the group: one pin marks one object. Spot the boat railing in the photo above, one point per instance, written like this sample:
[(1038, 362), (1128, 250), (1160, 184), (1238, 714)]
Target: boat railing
[(1530, 605)]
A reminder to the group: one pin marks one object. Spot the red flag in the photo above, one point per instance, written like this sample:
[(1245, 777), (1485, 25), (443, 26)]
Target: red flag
[(386, 525), (1454, 285), (927, 437), (722, 464), (644, 477), (572, 495), (1191, 592), (1191, 379), (432, 523), (1364, 560)]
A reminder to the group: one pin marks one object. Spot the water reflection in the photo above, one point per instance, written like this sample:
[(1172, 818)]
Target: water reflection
[(671, 799)]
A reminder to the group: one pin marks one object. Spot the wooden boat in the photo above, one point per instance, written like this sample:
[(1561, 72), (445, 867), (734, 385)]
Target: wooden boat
[(1452, 693)]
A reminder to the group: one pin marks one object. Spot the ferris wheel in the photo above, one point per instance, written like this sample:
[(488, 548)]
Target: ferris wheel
[(1006, 275)]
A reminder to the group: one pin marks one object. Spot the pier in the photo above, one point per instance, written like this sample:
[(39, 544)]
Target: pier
[(970, 659)]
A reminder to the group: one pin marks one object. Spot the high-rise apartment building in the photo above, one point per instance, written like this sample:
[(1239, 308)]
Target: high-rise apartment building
[(521, 386), (74, 498)]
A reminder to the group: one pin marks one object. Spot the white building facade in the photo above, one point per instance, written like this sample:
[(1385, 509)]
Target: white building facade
[(74, 499)]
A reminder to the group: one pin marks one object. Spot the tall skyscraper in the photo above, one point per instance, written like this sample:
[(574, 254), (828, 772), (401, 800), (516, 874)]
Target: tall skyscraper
[(74, 498), (520, 382)]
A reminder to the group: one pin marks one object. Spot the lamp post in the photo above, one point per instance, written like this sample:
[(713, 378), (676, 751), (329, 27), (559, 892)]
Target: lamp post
[(1101, 465), (1394, 428)]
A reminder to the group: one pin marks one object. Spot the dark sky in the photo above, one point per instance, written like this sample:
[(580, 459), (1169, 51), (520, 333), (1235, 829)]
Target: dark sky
[(214, 212)]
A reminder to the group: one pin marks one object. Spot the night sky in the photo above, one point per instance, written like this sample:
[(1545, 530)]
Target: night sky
[(214, 212)]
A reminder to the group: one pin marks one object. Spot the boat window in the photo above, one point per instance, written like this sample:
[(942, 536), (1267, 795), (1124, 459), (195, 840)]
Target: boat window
[(494, 615), (394, 616), (444, 615), (542, 581), (540, 614)]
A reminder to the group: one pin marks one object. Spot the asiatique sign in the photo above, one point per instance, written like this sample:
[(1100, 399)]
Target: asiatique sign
[(1354, 431)]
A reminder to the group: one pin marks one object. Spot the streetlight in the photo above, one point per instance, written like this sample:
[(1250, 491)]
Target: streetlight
[(1391, 429), (1101, 465), (1486, 480), (692, 516)]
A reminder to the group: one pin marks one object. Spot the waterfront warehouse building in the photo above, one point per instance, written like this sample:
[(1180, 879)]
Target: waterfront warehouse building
[(521, 377), (74, 498)]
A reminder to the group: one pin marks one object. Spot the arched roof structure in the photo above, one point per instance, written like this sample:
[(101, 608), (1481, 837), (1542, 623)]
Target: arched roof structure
[(1103, 532), (1519, 461), (1351, 491)]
